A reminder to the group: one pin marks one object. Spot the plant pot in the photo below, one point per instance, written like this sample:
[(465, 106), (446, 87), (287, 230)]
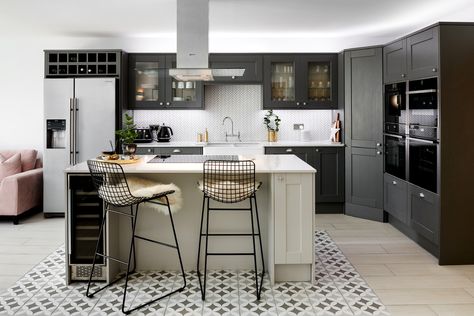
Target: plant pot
[(272, 136), (130, 150)]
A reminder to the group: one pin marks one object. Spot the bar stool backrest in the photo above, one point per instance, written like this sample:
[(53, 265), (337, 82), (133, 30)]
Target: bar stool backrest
[(229, 181), (111, 183)]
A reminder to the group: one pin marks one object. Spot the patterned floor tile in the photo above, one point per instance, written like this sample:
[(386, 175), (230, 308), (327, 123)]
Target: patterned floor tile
[(337, 289)]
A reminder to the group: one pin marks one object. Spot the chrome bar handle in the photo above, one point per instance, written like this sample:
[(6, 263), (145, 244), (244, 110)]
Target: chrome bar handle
[(71, 129), (75, 109)]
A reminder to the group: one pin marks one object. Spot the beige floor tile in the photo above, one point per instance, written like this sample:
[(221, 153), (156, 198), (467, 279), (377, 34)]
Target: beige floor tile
[(405, 248), (7, 281), (390, 258), (425, 269), (453, 310), (470, 290), (410, 310), (368, 240), (362, 249), (373, 270), (373, 233), (424, 296), (16, 269), (419, 282)]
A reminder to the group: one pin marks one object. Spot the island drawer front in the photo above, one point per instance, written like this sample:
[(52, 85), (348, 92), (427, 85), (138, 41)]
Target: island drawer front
[(424, 212), (396, 197), (169, 150)]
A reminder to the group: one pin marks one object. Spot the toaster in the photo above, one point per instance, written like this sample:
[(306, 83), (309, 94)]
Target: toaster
[(144, 135)]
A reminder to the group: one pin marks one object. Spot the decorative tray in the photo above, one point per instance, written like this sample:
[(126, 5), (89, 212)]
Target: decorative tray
[(121, 160)]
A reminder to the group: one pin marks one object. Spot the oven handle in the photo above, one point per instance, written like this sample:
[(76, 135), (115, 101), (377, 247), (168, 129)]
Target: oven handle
[(423, 140), (422, 91), (395, 136)]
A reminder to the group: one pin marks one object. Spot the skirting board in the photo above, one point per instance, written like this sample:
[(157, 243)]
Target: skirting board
[(365, 212), (293, 272), (329, 208)]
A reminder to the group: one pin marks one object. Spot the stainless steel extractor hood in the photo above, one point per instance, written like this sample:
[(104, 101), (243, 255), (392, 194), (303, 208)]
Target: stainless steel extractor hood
[(192, 61)]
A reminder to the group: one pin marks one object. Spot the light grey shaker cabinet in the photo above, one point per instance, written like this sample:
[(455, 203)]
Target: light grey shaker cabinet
[(396, 198), (364, 136), (423, 54), (395, 61), (363, 98), (424, 212)]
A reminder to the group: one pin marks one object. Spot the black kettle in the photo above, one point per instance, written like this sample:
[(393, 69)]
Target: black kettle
[(164, 134)]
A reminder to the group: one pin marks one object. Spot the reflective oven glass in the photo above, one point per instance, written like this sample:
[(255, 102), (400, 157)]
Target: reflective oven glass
[(423, 164), (423, 108), (395, 160)]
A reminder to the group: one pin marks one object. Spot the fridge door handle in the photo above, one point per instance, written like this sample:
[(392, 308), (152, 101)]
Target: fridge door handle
[(75, 129), (71, 131)]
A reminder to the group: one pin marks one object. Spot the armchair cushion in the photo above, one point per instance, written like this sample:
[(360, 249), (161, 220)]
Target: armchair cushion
[(9, 166), (21, 192), (28, 157)]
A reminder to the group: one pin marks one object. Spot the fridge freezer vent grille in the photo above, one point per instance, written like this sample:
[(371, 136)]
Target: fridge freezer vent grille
[(82, 273)]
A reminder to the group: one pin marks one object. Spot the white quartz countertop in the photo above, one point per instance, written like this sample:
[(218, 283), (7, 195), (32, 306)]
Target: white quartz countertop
[(263, 164), (284, 143)]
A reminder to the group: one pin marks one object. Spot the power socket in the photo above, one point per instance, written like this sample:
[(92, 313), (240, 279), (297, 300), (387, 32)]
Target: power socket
[(298, 126)]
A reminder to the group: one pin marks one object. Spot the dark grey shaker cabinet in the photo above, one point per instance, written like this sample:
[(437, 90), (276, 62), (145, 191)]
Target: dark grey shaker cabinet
[(169, 150), (253, 65), (364, 137), (423, 54), (304, 153), (396, 198), (364, 177), (395, 61), (363, 98), (329, 162), (268, 102), (424, 212)]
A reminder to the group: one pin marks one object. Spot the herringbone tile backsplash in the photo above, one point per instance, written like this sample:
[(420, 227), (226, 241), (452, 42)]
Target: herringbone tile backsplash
[(243, 103)]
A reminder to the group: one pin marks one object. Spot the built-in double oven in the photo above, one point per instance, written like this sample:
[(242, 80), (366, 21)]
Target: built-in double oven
[(411, 132)]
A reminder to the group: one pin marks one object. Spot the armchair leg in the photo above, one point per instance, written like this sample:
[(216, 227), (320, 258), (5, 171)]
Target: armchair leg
[(16, 220)]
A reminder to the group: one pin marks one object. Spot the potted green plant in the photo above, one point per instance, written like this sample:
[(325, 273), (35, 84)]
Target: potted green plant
[(127, 135), (272, 122)]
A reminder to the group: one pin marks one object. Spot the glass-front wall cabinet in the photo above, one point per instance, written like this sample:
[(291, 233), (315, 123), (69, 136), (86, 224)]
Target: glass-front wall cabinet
[(300, 81), (146, 81), (182, 94)]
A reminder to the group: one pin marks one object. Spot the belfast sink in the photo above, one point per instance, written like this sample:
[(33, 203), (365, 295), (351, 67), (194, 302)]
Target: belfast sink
[(233, 148)]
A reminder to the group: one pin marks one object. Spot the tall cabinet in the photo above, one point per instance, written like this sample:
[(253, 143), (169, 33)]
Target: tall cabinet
[(364, 132)]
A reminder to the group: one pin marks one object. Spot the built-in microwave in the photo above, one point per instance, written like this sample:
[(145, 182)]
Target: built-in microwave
[(395, 108), (423, 108), (395, 155)]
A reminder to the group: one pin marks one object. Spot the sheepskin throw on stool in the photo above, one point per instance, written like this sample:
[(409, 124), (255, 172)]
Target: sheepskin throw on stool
[(141, 187)]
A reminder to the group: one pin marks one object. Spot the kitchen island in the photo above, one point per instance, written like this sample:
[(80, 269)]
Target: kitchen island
[(286, 210)]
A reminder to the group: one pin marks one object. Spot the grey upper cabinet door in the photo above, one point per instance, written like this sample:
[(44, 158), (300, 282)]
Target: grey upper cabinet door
[(395, 61), (395, 198), (423, 54), (329, 163), (364, 177), (253, 65), (424, 212), (280, 90), (363, 98)]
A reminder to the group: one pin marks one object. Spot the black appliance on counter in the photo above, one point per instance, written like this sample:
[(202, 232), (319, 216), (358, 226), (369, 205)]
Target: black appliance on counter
[(164, 133), (144, 135)]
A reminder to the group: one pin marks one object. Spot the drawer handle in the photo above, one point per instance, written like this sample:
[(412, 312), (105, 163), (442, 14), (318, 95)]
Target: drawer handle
[(280, 178), (289, 150), (317, 150), (394, 182), (149, 150), (403, 75), (176, 150), (422, 195)]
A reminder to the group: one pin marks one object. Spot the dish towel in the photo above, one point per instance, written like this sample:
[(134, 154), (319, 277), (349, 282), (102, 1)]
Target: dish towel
[(141, 187)]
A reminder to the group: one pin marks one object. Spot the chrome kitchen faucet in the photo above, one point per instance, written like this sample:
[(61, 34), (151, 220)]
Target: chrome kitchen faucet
[(232, 129)]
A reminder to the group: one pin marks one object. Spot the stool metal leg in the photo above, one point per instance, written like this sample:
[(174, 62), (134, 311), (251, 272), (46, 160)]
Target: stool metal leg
[(259, 290), (199, 247), (254, 250), (133, 246)]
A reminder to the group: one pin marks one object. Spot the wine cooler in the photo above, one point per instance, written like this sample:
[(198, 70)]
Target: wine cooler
[(86, 213)]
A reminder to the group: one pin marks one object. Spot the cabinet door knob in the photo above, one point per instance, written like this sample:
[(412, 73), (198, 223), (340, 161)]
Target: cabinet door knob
[(149, 150), (168, 103), (403, 75), (379, 152), (289, 150), (297, 103), (233, 77), (280, 178), (317, 150), (304, 103), (394, 182), (176, 150), (434, 69), (379, 144), (422, 195), (161, 103)]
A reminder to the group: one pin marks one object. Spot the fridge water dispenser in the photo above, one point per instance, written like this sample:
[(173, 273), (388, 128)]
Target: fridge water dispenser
[(55, 134)]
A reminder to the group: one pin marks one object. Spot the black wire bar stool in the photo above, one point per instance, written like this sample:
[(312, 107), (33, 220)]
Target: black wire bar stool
[(110, 181), (229, 182)]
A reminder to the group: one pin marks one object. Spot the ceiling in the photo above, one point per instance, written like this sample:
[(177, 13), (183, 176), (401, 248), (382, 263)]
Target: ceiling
[(230, 18)]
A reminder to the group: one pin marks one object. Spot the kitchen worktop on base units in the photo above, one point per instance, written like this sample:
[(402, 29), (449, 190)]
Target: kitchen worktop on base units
[(284, 143)]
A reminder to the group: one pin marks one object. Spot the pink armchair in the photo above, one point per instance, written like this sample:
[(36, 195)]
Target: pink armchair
[(22, 191)]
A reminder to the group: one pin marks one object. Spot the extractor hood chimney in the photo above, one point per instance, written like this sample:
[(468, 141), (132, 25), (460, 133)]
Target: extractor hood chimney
[(192, 61)]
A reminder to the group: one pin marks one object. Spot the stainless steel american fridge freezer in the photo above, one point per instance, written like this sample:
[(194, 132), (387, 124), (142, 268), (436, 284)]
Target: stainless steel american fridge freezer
[(80, 120)]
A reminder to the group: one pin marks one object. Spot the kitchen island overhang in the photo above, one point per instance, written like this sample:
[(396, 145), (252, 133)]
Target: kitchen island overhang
[(286, 203)]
